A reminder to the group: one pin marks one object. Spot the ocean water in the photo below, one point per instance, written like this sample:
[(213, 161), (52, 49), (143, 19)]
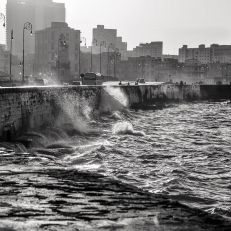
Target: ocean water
[(183, 151)]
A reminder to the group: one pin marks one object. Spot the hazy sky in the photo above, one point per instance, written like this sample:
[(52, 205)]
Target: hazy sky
[(175, 22)]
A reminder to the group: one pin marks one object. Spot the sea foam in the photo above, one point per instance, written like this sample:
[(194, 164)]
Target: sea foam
[(125, 128)]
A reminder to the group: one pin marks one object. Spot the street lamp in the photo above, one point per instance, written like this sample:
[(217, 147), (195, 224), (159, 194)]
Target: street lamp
[(20, 64), (137, 68), (12, 37), (61, 42), (101, 44), (116, 52), (94, 41), (111, 45), (82, 39), (27, 26), (3, 18)]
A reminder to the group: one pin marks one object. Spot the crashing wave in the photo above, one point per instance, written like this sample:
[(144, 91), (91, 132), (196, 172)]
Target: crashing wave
[(125, 128)]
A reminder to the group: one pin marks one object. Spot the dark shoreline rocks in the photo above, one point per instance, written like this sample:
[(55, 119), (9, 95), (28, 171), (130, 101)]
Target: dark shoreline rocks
[(66, 199)]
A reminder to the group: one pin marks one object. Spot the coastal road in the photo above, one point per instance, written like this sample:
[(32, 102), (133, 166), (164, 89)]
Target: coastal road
[(112, 83)]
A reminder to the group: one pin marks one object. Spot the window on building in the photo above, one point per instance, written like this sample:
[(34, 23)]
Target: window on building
[(76, 47), (52, 56), (52, 35), (76, 36), (52, 46)]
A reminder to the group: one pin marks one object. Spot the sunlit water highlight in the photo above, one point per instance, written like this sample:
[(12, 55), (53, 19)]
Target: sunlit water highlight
[(183, 151)]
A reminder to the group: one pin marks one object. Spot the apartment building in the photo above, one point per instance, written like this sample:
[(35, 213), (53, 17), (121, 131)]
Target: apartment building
[(214, 53)]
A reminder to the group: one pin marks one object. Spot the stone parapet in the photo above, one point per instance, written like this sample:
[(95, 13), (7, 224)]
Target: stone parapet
[(31, 108)]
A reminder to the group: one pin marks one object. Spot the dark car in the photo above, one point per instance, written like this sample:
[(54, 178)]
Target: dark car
[(76, 83), (140, 80)]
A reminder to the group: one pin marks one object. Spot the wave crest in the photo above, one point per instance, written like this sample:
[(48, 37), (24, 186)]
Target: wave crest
[(125, 128)]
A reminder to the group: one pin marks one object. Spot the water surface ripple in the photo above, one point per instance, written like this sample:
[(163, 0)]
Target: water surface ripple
[(182, 151)]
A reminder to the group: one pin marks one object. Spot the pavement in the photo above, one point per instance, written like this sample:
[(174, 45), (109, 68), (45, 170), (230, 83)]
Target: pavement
[(55, 198)]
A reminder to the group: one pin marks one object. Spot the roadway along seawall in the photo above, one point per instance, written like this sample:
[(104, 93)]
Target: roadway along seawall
[(33, 108)]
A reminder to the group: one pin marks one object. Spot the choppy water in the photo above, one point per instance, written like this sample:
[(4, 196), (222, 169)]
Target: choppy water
[(183, 151)]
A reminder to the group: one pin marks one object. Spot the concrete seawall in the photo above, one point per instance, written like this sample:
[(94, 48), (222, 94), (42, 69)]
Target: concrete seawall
[(32, 108)]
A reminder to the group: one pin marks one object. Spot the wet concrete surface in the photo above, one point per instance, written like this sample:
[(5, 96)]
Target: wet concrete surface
[(55, 198)]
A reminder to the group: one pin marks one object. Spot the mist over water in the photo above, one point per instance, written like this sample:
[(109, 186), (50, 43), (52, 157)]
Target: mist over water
[(183, 151)]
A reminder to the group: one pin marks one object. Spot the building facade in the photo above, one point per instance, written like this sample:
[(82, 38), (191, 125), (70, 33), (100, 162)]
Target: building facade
[(40, 13), (16, 69), (58, 44), (214, 53), (147, 67), (221, 53), (218, 72), (167, 56), (153, 49), (109, 36)]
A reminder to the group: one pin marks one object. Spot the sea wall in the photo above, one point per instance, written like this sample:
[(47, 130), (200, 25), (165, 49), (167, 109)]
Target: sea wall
[(32, 108)]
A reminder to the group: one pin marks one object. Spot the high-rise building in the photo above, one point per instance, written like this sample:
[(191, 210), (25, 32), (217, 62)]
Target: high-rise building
[(40, 13), (49, 52), (109, 36), (153, 49)]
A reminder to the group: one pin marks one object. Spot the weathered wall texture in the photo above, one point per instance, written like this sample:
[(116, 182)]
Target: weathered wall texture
[(31, 109), (28, 109)]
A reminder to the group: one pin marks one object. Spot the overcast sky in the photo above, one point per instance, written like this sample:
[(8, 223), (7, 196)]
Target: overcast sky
[(175, 22)]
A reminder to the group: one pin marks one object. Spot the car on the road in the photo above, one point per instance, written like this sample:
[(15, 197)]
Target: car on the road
[(76, 83), (140, 80)]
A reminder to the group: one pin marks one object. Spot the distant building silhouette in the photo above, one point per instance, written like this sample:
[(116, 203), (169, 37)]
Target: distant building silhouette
[(40, 13), (109, 36)]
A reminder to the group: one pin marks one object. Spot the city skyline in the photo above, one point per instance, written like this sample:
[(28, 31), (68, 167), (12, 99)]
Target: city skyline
[(171, 21)]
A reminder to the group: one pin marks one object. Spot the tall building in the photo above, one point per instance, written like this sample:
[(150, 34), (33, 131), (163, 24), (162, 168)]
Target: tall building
[(109, 36), (40, 13), (153, 49), (214, 53), (48, 49)]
